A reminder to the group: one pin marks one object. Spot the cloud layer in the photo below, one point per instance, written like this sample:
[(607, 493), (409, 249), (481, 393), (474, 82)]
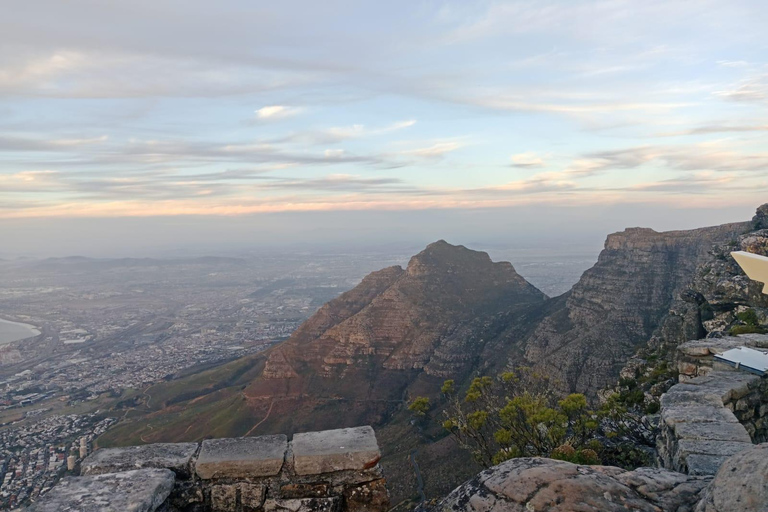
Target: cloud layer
[(110, 109)]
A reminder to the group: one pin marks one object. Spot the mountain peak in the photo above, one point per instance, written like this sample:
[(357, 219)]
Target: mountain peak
[(442, 256)]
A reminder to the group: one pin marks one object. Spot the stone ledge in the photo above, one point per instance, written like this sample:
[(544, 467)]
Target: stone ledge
[(174, 456), (335, 450), (698, 431), (338, 471), (241, 457), (141, 490)]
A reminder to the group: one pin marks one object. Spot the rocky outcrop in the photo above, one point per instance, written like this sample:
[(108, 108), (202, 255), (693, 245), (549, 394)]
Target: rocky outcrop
[(333, 471), (718, 292), (417, 318), (618, 304), (534, 484), (740, 484), (453, 313)]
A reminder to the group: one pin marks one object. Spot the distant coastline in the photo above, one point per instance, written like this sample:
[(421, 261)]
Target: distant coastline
[(11, 331)]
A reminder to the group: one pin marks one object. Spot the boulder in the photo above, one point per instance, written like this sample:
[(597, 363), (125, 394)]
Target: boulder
[(174, 456), (335, 450), (740, 485), (141, 490), (244, 457), (536, 484)]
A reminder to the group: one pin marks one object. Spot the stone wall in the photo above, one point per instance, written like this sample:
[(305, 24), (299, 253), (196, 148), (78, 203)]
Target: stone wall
[(714, 412), (330, 471), (749, 405)]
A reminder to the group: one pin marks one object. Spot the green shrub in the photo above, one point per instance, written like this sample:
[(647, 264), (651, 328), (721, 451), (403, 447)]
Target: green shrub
[(747, 329), (653, 407), (420, 406), (749, 317)]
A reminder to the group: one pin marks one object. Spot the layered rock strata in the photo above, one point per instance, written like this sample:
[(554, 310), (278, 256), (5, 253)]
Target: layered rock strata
[(618, 304), (422, 317)]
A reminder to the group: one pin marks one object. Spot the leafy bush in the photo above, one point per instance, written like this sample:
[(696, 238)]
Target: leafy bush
[(751, 324), (420, 406), (747, 329), (518, 415), (749, 317)]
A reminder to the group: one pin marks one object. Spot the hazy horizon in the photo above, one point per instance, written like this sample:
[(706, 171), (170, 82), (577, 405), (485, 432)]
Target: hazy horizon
[(558, 230)]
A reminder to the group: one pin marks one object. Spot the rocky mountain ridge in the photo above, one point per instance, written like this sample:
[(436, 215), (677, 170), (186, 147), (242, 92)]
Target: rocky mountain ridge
[(618, 304), (397, 325)]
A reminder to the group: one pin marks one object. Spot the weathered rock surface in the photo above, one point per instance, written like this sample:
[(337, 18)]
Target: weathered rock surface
[(717, 293), (335, 450), (174, 456), (141, 490), (697, 431), (242, 457), (741, 484), (534, 484), (618, 304)]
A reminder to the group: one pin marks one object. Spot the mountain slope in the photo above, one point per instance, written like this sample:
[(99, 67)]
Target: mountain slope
[(618, 304), (412, 319)]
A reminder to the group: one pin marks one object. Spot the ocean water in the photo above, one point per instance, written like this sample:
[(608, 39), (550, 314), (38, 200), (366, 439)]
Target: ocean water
[(12, 331)]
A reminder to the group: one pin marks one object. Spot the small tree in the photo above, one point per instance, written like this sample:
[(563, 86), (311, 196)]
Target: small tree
[(518, 415), (420, 406)]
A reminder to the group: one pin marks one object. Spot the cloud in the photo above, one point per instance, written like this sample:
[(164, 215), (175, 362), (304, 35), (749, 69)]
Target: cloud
[(712, 156), (717, 128), (100, 73), (750, 90), (17, 143), (733, 63), (524, 160), (436, 150), (274, 112), (337, 134), (333, 153)]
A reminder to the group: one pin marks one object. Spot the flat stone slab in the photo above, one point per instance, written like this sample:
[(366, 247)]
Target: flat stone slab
[(729, 384), (174, 456), (697, 414), (712, 432), (686, 395), (711, 346), (141, 490), (241, 457), (708, 447), (704, 465), (335, 450)]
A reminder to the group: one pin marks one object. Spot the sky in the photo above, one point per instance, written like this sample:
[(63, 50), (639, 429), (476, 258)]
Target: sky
[(133, 127)]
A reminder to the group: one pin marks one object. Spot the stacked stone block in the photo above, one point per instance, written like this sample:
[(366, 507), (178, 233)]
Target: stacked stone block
[(330, 471), (716, 411)]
